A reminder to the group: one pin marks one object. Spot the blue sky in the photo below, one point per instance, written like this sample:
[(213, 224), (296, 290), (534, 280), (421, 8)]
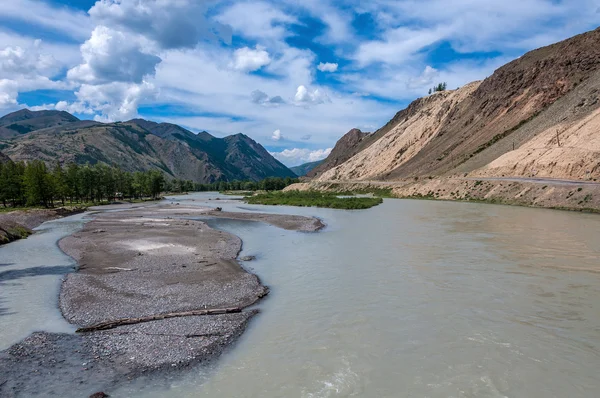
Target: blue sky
[(294, 76)]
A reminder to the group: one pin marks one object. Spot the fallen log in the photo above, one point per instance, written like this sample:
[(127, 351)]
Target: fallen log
[(132, 321)]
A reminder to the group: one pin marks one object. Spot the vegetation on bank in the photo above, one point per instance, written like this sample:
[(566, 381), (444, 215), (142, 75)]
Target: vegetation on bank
[(267, 184), (313, 198), (33, 184)]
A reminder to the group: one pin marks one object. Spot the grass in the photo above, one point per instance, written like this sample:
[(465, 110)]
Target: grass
[(379, 192), (237, 193), (312, 199)]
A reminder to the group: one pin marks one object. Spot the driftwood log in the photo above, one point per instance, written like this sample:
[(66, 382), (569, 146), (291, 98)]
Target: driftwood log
[(132, 321)]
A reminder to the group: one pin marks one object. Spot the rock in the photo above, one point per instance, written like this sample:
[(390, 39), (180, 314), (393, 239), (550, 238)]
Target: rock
[(218, 209), (248, 258), (99, 394)]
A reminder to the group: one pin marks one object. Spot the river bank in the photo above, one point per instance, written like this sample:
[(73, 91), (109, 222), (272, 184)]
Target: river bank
[(141, 262), (19, 224), (550, 194)]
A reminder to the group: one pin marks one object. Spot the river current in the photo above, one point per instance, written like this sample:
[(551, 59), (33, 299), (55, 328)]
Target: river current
[(407, 299)]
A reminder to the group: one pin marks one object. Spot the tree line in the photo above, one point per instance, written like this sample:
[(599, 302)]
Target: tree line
[(267, 184), (439, 87), (35, 184)]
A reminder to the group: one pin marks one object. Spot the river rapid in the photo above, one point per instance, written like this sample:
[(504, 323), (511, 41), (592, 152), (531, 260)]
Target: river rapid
[(410, 298)]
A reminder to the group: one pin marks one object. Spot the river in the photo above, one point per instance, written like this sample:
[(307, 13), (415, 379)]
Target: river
[(410, 298)]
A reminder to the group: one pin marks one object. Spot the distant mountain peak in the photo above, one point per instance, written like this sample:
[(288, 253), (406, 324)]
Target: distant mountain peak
[(138, 145)]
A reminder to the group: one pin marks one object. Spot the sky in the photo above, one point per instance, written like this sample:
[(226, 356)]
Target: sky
[(294, 76)]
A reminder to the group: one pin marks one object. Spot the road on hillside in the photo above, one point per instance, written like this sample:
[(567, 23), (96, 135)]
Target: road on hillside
[(535, 180)]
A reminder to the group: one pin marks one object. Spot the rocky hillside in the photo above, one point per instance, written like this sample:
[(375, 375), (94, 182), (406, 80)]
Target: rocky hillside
[(4, 158), (139, 145), (537, 115), (346, 147)]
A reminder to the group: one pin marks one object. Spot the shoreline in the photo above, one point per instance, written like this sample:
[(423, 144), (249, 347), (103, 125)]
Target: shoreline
[(577, 196), (136, 263), (20, 224)]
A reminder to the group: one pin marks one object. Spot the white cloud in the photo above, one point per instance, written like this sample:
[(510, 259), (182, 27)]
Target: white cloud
[(305, 96), (297, 156), (257, 19), (425, 79), (171, 24), (18, 61), (327, 67), (9, 90), (28, 68), (277, 136), (249, 60), (75, 24), (110, 55), (109, 102)]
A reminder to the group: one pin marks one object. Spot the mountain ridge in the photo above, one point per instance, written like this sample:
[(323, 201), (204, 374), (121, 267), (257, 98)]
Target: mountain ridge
[(139, 145), (506, 124)]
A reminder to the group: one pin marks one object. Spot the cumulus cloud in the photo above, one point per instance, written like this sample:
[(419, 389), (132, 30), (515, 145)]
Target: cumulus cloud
[(304, 96), (9, 90), (297, 156), (248, 60), (277, 136), (171, 24), (109, 102), (18, 61), (111, 55), (29, 67), (327, 67)]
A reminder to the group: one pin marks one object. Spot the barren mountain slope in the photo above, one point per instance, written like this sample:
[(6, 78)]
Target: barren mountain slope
[(573, 154), (466, 129), (403, 141), (349, 145)]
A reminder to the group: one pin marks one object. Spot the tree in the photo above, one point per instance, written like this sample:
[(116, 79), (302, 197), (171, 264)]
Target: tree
[(439, 87), (61, 186), (73, 179), (156, 181), (38, 182)]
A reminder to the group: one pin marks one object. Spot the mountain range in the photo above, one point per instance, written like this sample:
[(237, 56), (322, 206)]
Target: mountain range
[(539, 115), (305, 168), (135, 145)]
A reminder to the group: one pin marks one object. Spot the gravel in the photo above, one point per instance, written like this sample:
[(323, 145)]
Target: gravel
[(134, 263)]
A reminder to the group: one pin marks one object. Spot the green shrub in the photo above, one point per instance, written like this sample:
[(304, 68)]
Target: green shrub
[(312, 198)]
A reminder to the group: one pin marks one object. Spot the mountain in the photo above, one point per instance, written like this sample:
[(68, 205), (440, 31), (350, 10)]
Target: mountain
[(4, 158), (303, 169), (349, 145), (538, 115), (25, 121), (138, 145)]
